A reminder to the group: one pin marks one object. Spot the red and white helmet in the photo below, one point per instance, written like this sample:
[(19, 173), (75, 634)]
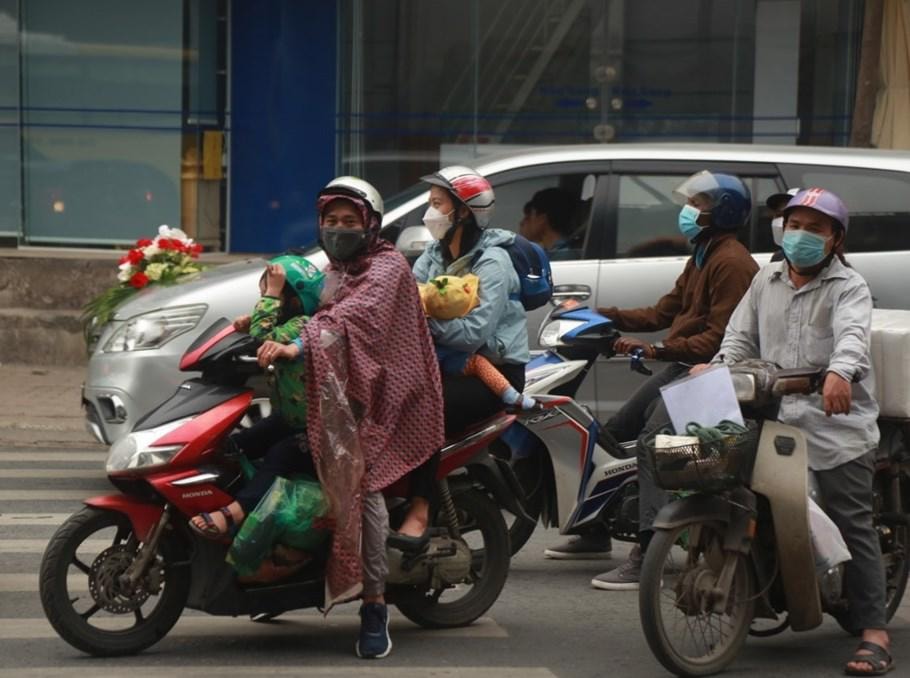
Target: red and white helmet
[(469, 187)]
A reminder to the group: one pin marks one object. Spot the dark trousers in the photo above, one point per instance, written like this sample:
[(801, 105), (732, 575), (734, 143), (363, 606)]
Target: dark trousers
[(846, 496), (283, 451), (466, 401), (643, 415)]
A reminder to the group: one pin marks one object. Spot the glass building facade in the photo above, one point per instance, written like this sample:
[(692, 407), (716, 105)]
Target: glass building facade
[(226, 116)]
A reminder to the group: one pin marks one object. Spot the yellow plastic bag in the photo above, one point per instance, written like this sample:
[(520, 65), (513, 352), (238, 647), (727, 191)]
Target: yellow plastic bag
[(449, 296)]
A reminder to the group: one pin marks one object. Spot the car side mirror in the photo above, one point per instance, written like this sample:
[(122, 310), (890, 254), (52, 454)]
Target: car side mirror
[(413, 241)]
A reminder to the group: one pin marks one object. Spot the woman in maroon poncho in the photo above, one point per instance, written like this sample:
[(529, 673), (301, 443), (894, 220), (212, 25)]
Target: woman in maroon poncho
[(374, 394)]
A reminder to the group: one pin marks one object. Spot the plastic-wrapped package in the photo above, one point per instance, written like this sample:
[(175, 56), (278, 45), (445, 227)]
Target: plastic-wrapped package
[(285, 515), (448, 296), (827, 542)]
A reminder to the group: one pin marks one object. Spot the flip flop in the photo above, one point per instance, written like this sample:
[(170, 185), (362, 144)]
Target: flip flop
[(878, 660), (211, 530)]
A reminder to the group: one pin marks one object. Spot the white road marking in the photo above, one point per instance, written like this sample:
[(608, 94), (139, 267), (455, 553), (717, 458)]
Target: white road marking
[(360, 669), (32, 519), (291, 625), (38, 545), (28, 583), (51, 495), (34, 455), (44, 473)]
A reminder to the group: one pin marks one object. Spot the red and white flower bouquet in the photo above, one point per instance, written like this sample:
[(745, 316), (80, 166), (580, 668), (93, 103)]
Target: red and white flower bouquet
[(168, 258)]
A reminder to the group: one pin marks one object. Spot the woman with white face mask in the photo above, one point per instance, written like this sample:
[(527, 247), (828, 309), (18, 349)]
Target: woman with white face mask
[(458, 215), (460, 205)]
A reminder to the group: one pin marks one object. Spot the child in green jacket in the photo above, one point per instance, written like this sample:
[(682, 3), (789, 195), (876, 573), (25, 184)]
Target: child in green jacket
[(290, 289)]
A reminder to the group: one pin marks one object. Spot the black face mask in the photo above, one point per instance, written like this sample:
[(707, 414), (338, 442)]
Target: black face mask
[(343, 243)]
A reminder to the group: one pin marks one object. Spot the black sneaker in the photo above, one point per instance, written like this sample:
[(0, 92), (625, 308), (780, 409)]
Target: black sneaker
[(374, 641), (581, 547)]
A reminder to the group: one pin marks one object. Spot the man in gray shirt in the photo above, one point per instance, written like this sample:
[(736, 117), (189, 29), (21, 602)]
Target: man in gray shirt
[(813, 310)]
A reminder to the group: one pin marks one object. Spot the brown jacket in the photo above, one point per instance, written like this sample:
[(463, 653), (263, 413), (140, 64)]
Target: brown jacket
[(699, 306)]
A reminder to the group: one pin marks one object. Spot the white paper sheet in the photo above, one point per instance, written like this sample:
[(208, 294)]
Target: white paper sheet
[(707, 398)]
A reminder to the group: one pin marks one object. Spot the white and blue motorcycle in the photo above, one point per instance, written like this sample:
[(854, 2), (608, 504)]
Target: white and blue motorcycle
[(573, 474)]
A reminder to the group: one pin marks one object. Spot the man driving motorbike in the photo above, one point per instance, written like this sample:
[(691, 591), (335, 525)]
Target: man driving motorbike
[(696, 311), (812, 310)]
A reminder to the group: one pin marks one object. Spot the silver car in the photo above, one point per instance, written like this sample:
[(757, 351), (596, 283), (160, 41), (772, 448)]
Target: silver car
[(625, 251)]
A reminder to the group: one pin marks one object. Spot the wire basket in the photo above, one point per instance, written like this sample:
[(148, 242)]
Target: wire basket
[(709, 466)]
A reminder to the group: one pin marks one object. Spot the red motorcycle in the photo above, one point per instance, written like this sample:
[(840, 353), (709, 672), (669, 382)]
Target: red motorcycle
[(118, 573)]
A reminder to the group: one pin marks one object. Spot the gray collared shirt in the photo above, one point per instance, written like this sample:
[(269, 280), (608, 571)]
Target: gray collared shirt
[(826, 323)]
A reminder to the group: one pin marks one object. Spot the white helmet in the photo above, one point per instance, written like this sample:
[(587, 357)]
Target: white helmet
[(360, 190), (468, 186)]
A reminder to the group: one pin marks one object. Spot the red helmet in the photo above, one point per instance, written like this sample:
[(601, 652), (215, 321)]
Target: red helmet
[(469, 187)]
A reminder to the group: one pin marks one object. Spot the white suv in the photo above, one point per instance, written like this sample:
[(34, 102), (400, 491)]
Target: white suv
[(625, 251)]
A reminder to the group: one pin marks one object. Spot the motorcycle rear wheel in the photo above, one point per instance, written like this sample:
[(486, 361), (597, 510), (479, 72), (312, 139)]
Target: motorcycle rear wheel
[(79, 570), (674, 583), (480, 519)]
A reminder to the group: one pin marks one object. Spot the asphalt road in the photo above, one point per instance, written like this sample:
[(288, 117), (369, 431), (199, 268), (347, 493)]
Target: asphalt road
[(548, 621)]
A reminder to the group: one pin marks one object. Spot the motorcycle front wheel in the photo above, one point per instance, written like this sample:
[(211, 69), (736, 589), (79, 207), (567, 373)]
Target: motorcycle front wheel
[(684, 631), (84, 599), (530, 474), (484, 530)]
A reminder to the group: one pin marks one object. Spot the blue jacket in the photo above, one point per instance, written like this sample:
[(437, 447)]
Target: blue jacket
[(497, 327)]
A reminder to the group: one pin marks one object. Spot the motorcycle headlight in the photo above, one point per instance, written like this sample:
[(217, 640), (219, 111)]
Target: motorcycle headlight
[(552, 333), (154, 329), (137, 451)]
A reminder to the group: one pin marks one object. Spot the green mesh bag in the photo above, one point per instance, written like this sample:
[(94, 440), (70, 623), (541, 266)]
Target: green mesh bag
[(285, 515)]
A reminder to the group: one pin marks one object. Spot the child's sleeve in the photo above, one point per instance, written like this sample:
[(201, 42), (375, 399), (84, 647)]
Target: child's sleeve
[(286, 333), (264, 318)]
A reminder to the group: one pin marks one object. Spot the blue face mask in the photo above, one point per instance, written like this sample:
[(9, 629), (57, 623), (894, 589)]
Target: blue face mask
[(803, 249), (688, 222)]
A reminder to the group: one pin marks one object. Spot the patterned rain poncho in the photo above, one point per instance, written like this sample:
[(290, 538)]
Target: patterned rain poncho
[(375, 396)]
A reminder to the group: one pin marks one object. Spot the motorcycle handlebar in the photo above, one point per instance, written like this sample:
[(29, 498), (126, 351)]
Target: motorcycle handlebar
[(637, 362)]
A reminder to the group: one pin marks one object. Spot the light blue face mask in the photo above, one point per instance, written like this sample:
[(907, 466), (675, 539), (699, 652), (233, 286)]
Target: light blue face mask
[(803, 249), (688, 222)]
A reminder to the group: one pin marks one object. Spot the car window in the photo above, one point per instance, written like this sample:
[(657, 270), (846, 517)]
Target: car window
[(553, 210), (761, 239), (878, 200), (647, 217), (564, 199)]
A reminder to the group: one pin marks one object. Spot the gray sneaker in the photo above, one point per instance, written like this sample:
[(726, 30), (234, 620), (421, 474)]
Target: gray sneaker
[(623, 578), (581, 547)]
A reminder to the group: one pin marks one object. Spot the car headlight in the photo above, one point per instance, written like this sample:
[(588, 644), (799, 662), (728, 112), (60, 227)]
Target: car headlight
[(137, 451), (154, 329), (552, 333)]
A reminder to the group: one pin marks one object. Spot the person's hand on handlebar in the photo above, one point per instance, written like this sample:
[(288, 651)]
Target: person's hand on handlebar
[(628, 344), (270, 351), (242, 323), (836, 394)]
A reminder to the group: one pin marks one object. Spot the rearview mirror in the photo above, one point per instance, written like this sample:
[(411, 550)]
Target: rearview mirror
[(413, 241)]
